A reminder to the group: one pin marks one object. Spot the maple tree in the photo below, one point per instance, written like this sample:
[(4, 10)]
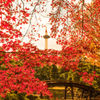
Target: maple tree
[(91, 32), (14, 76), (19, 76), (76, 26)]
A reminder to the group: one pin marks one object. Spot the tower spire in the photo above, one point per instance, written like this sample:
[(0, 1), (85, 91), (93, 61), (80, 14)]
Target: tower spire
[(46, 37)]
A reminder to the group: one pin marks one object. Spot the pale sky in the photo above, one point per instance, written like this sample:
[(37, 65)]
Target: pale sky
[(51, 42)]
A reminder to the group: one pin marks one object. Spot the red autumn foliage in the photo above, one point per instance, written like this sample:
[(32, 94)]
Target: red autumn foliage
[(21, 78), (77, 25)]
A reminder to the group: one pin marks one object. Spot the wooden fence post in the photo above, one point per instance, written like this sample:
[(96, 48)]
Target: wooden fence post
[(65, 92)]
